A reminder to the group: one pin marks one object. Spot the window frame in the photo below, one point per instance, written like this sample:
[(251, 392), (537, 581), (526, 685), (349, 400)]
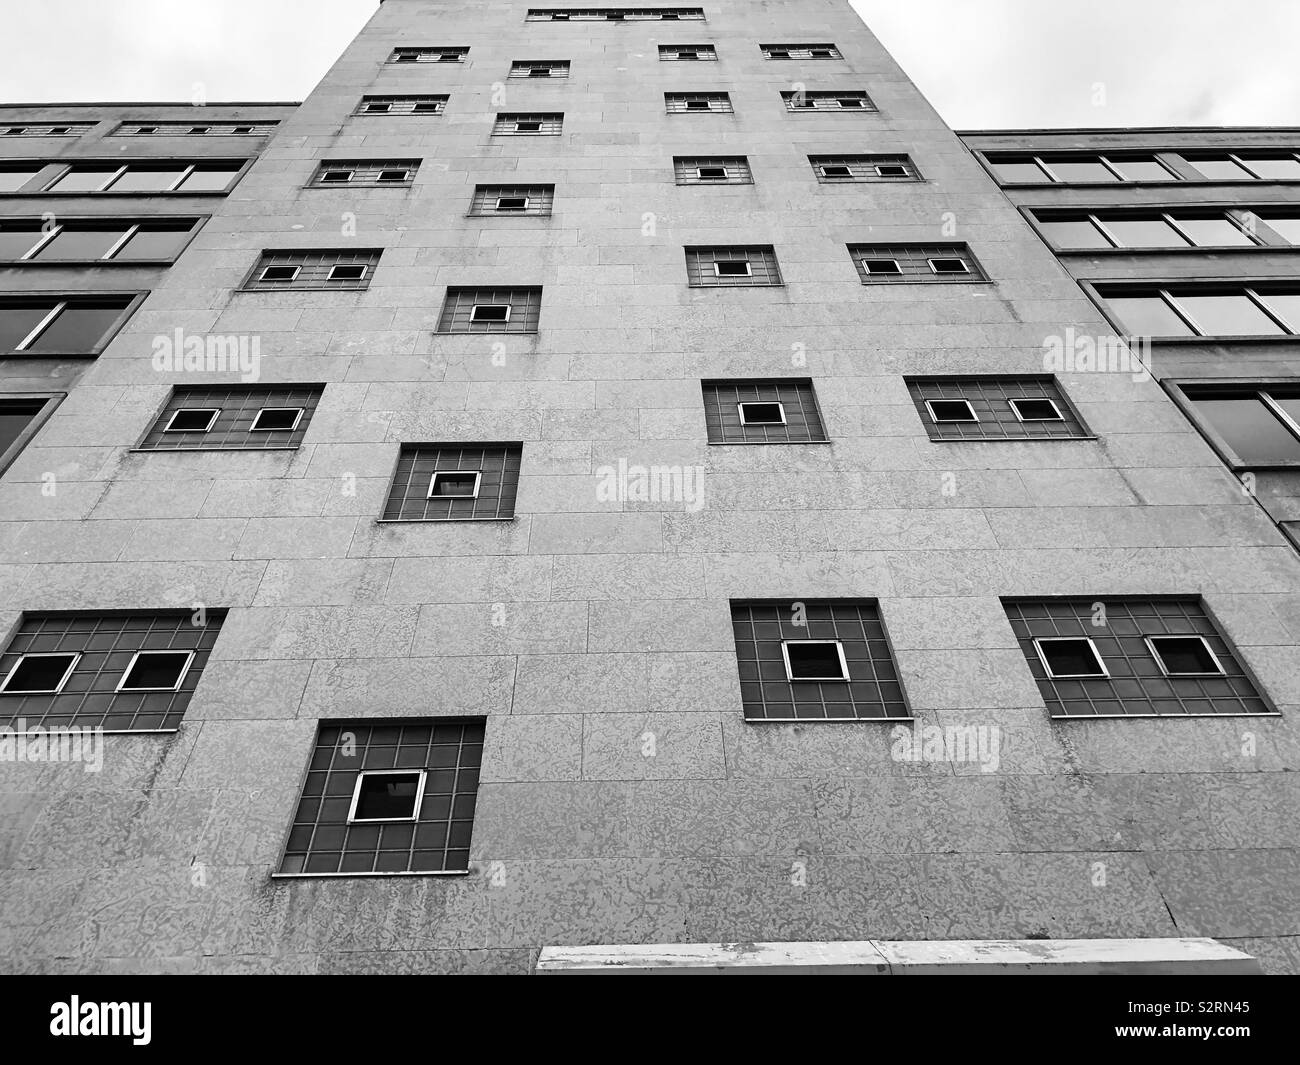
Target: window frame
[(1149, 640), (49, 402), (67, 673), (56, 170), (214, 411), (970, 407), (1092, 646), (1096, 216), (298, 413), (1256, 289), (180, 678), (1225, 388), (130, 225), (844, 678), (61, 301), (740, 407), (433, 483), (1034, 399), (421, 774)]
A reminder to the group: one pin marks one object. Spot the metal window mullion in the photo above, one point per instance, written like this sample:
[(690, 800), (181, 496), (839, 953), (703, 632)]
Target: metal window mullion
[(131, 231), (1280, 412), (48, 236), (42, 325), (1105, 231), (1042, 165), (184, 177), (1273, 315), (1182, 312), (1172, 223), (112, 178)]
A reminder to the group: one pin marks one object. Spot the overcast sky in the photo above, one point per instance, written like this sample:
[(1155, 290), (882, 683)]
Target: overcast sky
[(982, 63)]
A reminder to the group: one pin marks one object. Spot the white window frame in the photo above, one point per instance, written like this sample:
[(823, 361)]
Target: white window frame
[(699, 173), (6, 690), (719, 263), (324, 175), (697, 105), (279, 280), (422, 774), (404, 171), (850, 103), (512, 210), (1219, 671), (520, 123), (965, 266), (866, 267), (214, 411), (974, 414), (180, 679), (433, 483), (848, 170), (881, 167), (1038, 647), (363, 267), (765, 402), (254, 428), (475, 308), (1035, 399), (379, 107), (789, 673)]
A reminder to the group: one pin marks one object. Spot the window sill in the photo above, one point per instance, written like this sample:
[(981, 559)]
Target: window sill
[(107, 732), (109, 192), (1250, 338), (362, 185), (1231, 249), (50, 354), (930, 281), (300, 288)]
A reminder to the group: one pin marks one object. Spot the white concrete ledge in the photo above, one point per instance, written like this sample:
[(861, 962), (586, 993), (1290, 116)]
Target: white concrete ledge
[(1191, 957)]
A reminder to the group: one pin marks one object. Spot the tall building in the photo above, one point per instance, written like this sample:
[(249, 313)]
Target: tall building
[(605, 485)]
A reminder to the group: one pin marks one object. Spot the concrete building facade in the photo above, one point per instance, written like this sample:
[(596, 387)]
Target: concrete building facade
[(497, 572)]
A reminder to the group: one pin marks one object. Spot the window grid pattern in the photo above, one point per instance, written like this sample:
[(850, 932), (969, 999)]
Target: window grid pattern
[(426, 104), (539, 68), (990, 398), (1281, 314), (1136, 686), (873, 691), (615, 14), (541, 199), (525, 305), (191, 129), (232, 430), (694, 53), (736, 169), (57, 129), (180, 176), (322, 842), (60, 325), (803, 419), (800, 51), (1276, 407), (1250, 228), (365, 172), (132, 240), (549, 124), (763, 269), (498, 467), (314, 269), (863, 168), (854, 100), (429, 55), (914, 263), (1092, 168), (680, 103), (106, 644)]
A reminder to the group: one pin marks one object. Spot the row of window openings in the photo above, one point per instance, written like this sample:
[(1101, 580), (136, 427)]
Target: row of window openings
[(615, 14), (1013, 169), (260, 129), (45, 673), (99, 241), (674, 103), (560, 67), (1222, 229), (196, 178)]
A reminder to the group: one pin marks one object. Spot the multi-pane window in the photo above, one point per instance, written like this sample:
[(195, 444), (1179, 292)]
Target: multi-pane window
[(813, 660), (995, 407), (1162, 657), (45, 129), (244, 418), (687, 53), (680, 103), (800, 51), (529, 124), (14, 177), (387, 797), (512, 200), (330, 269), (1252, 425), (516, 309), (615, 14), (94, 240), (804, 100), (1241, 166), (425, 104), (837, 169), (1077, 168), (21, 414), (61, 325), (732, 266), (539, 68), (429, 55), (1206, 309), (712, 170), (882, 264), (189, 178), (777, 411), (190, 129), (454, 482), (1168, 229), (366, 173), (124, 671)]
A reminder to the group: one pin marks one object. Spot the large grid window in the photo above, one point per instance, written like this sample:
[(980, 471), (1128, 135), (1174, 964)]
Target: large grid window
[(426, 104), (778, 411), (539, 68), (61, 325), (21, 414), (83, 240), (1254, 426), (263, 128), (491, 310), (189, 178), (810, 660), (526, 124), (247, 418), (1002, 407), (839, 169), (124, 671), (689, 103), (58, 129), (712, 170), (886, 264), (800, 51), (367, 173), (803, 100), (1167, 230), (733, 267), (615, 14), (512, 200), (324, 270), (387, 797), (455, 482), (687, 53), (429, 55), (1160, 657), (1210, 310)]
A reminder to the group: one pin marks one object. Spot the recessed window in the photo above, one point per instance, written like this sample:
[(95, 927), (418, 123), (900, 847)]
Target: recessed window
[(712, 170), (949, 266), (190, 420), (21, 415), (761, 413), (279, 273), (233, 419), (347, 272), (528, 126), (512, 199), (548, 124), (455, 482), (1184, 656), (711, 173), (1036, 410), (424, 104), (387, 795), (461, 484), (901, 264), (772, 411), (895, 170), (539, 72), (814, 660), (805, 101), (39, 674), (881, 266), (951, 410), (1210, 309), (146, 178), (276, 420), (156, 671), (1253, 426), (1067, 657), (490, 312), (995, 407), (681, 102), (732, 267), (512, 203), (836, 171)]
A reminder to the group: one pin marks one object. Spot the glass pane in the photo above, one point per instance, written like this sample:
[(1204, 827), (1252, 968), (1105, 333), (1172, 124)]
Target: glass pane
[(83, 179), (1221, 170), (1287, 228), (1228, 315), (135, 180), (1078, 233), (13, 180), (153, 244), (1144, 233), (1250, 429), (1142, 170), (15, 243), (1214, 233), (17, 321), (1019, 172), (15, 416), (1286, 306), (78, 329), (1073, 171), (74, 244), (212, 180), (1148, 316), (1281, 168)]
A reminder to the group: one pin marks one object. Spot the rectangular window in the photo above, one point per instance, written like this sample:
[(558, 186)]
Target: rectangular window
[(21, 415), (1211, 309), (455, 482), (800, 51), (687, 53), (145, 178), (682, 103), (491, 310), (812, 660), (995, 407), (124, 671), (712, 170), (68, 325), (429, 55), (804, 101), (893, 264), (1077, 168), (733, 267), (540, 124), (428, 104), (366, 173), (86, 240), (62, 129), (1159, 657), (387, 797), (774, 411), (259, 128), (1251, 426), (539, 68), (306, 270), (841, 169), (512, 200), (252, 417), (615, 14), (1167, 230)]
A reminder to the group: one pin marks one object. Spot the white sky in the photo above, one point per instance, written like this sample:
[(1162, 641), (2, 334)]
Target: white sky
[(982, 63)]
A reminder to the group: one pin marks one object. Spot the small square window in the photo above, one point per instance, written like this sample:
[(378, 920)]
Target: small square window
[(733, 268), (949, 265), (347, 272), (1070, 656), (58, 131), (379, 109), (449, 57), (951, 410), (712, 173), (822, 53), (192, 421), (881, 266), (459, 484), (276, 420), (891, 170), (490, 312), (1037, 410), (814, 660), (147, 130), (512, 203), (156, 671), (851, 101), (197, 131), (39, 674), (279, 273), (1184, 656), (426, 108), (393, 175), (387, 795), (335, 177), (762, 414), (528, 127), (836, 171)]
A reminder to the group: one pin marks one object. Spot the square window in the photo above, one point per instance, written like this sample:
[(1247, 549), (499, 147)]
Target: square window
[(241, 131), (1184, 656), (881, 266), (192, 420), (39, 674), (779, 53), (393, 175), (387, 795), (197, 131), (156, 671), (949, 266), (1070, 656), (335, 177), (712, 173), (512, 203), (347, 272), (459, 484), (891, 170), (733, 268), (490, 312), (279, 273), (814, 660), (1036, 410), (761, 413), (449, 57), (276, 420), (822, 53), (836, 171), (945, 411)]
